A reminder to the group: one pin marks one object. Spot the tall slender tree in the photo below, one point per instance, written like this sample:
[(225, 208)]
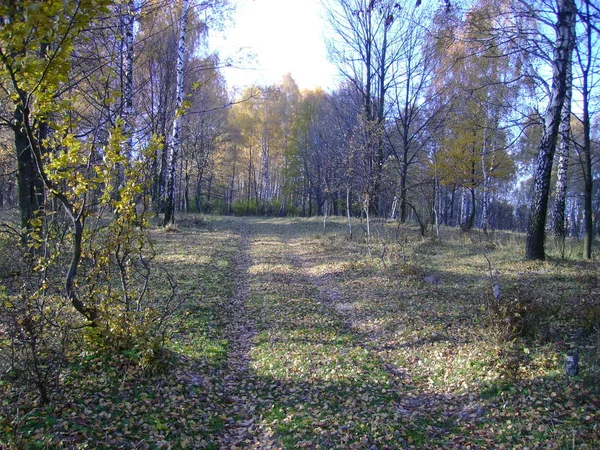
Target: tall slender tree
[(587, 52), (563, 49), (176, 139), (560, 197), (128, 23)]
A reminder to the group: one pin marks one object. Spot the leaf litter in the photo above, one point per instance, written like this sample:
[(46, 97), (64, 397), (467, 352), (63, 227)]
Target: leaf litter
[(294, 339)]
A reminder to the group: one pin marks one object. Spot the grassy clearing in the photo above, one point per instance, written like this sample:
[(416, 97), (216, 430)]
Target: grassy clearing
[(392, 342), (495, 368)]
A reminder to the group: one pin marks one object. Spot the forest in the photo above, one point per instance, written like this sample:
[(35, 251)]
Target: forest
[(407, 260)]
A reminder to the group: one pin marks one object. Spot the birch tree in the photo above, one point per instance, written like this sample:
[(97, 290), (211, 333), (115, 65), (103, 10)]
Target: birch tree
[(563, 49), (128, 22), (176, 139), (560, 199)]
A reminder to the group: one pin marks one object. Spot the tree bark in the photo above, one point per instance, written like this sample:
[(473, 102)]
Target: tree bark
[(565, 30), (586, 153), (30, 185), (128, 18), (485, 202), (349, 210), (558, 213), (170, 198)]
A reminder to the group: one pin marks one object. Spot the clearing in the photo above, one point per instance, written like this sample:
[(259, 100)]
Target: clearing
[(292, 337)]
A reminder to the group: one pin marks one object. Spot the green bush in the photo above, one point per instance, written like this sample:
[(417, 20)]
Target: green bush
[(134, 335)]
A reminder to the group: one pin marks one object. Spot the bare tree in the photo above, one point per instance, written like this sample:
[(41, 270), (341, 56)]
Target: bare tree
[(367, 50)]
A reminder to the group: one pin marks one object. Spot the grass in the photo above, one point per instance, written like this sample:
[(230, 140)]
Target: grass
[(393, 341)]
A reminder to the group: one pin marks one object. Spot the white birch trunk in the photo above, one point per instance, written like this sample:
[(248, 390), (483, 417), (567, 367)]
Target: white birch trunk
[(176, 140), (128, 18), (565, 42), (485, 214), (463, 207), (558, 214)]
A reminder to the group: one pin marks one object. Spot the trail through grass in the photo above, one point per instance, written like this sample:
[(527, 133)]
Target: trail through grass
[(294, 338)]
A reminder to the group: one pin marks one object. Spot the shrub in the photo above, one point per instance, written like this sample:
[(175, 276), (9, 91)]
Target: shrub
[(516, 313)]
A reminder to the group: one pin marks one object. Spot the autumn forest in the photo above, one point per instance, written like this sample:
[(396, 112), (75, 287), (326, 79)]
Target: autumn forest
[(407, 260)]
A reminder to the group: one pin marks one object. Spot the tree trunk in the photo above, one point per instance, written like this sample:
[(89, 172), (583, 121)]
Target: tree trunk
[(128, 18), (463, 208), (30, 184), (558, 214), (367, 207), (565, 41), (586, 163), (437, 198), (485, 211), (349, 210), (403, 176), (394, 212), (471, 220), (586, 155), (249, 193), (187, 207), (170, 198), (198, 193)]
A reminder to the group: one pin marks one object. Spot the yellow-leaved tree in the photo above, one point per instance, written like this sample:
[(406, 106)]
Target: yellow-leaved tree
[(472, 145), (83, 259)]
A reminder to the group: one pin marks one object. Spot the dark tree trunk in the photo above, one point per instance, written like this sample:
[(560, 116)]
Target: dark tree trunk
[(471, 220), (585, 56), (30, 184), (403, 176), (565, 31), (586, 162), (450, 220)]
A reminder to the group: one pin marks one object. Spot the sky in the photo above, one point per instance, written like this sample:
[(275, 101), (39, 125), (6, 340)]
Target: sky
[(268, 38)]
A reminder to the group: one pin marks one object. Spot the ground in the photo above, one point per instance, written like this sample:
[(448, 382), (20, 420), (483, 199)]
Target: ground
[(292, 335)]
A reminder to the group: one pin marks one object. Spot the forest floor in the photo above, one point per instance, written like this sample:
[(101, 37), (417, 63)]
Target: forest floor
[(292, 336)]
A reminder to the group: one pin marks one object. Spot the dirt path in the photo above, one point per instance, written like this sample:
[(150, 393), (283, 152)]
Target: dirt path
[(241, 429), (300, 358)]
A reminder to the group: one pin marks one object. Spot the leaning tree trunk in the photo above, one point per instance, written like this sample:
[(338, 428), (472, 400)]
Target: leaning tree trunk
[(558, 213), (170, 197), (563, 50)]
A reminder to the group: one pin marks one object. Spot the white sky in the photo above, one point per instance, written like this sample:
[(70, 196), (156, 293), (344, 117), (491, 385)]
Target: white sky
[(272, 38)]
